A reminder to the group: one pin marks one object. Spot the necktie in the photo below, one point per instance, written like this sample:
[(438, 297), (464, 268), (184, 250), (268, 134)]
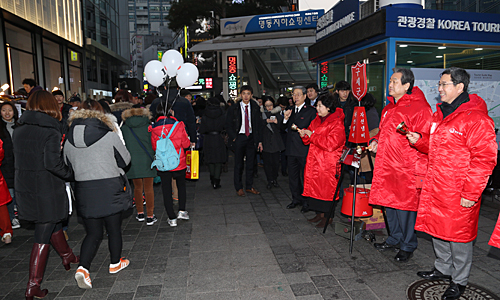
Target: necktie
[(296, 110), (247, 126)]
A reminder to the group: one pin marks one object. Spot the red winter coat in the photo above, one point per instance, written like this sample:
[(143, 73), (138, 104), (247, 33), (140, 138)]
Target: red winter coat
[(325, 148), (398, 162), (179, 137), (4, 190), (462, 154), (495, 237)]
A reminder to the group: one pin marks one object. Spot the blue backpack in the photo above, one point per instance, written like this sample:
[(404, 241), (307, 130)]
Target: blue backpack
[(166, 156)]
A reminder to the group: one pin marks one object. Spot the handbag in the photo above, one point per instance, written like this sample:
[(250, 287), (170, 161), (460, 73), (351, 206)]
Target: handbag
[(193, 164), (141, 144)]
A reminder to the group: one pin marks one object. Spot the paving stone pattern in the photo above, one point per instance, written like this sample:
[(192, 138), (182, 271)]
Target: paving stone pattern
[(239, 248)]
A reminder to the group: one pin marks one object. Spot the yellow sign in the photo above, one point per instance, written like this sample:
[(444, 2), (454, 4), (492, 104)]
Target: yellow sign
[(74, 56)]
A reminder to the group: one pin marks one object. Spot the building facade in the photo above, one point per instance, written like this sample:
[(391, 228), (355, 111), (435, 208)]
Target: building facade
[(479, 6)]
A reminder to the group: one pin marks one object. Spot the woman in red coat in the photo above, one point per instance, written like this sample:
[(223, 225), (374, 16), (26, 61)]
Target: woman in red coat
[(495, 237), (5, 225), (326, 138), (179, 138)]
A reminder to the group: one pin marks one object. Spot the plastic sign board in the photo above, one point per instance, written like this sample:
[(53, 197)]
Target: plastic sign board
[(343, 14), (271, 22), (74, 56), (232, 80), (358, 83), (359, 132)]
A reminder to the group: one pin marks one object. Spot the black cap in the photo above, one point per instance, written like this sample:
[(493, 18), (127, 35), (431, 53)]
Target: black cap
[(57, 92), (75, 98)]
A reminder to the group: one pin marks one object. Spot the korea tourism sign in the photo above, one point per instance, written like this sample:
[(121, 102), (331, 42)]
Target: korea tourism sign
[(343, 14), (271, 22), (440, 24)]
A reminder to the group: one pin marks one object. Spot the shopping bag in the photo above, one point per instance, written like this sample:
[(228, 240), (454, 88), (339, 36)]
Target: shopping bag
[(193, 164)]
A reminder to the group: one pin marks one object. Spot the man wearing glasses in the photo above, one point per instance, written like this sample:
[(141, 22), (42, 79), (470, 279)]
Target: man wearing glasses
[(462, 154), (301, 115), (399, 165)]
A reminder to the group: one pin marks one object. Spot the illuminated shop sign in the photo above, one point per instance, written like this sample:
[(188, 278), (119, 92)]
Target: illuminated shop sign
[(232, 76), (323, 79)]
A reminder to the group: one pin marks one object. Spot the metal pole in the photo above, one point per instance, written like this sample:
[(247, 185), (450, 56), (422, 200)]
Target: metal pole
[(353, 209)]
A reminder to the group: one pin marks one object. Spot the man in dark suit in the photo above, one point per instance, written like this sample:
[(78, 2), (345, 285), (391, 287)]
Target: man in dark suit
[(312, 94), (301, 116), (243, 124)]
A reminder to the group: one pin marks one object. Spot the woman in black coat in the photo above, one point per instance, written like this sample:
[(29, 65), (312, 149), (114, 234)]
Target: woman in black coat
[(9, 121), (272, 142), (214, 148), (39, 180)]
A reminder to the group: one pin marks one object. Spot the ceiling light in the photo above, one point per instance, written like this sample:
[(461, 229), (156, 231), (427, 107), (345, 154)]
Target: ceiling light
[(439, 56), (409, 61), (478, 49), (477, 64), (403, 45), (442, 47)]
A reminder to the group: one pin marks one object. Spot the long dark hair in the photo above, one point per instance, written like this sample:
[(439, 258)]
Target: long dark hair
[(3, 125)]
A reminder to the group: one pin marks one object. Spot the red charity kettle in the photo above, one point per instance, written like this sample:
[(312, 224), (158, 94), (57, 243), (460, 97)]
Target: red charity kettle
[(362, 209)]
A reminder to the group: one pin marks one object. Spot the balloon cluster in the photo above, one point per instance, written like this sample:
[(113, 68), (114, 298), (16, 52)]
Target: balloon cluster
[(171, 65)]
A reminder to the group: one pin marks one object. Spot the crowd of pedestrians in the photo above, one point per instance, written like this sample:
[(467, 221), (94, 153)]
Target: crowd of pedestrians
[(429, 179)]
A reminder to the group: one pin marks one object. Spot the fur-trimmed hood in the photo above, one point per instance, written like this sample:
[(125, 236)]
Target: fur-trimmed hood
[(275, 110), (120, 106), (140, 112), (87, 127)]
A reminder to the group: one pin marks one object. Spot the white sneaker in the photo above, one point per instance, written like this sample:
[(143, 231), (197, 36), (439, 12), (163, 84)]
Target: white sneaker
[(83, 278), (183, 215), (15, 223), (172, 223)]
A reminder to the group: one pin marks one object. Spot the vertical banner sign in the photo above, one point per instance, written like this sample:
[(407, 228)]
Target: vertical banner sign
[(359, 83), (359, 127), (324, 75), (232, 76), (209, 83)]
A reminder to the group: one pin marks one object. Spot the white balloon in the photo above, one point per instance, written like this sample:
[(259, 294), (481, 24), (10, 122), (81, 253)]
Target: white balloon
[(172, 59), (187, 75), (156, 72)]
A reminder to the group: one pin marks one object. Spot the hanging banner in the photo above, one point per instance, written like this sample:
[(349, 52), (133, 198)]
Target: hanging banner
[(359, 83), (359, 132)]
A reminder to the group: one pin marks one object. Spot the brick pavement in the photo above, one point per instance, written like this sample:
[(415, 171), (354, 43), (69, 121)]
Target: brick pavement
[(240, 248)]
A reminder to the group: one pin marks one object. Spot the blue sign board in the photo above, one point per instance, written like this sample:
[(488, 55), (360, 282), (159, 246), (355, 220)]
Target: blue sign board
[(442, 25), (271, 22), (343, 14)]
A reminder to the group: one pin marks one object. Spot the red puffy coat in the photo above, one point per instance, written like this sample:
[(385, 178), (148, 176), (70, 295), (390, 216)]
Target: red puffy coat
[(495, 237), (398, 162), (462, 154), (179, 137), (4, 190), (325, 148)]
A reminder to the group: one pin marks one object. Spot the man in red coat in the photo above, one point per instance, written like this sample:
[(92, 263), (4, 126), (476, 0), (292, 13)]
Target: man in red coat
[(462, 154), (399, 164)]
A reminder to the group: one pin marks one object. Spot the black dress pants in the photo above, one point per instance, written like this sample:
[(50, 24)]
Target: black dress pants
[(244, 146), (296, 166)]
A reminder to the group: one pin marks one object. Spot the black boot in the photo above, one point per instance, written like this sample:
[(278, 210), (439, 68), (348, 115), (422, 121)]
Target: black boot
[(217, 184), (212, 182), (38, 260)]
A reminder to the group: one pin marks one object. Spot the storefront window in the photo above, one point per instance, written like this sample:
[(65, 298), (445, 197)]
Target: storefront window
[(53, 72), (51, 50), (439, 56), (22, 67), (18, 38), (75, 80)]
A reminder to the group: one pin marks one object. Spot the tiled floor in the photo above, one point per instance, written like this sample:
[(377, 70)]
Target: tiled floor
[(239, 248)]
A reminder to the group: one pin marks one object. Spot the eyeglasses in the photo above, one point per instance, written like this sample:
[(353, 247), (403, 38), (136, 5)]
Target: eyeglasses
[(443, 84)]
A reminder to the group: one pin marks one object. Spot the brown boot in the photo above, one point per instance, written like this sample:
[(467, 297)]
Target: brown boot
[(317, 218), (38, 260), (61, 246), (323, 222)]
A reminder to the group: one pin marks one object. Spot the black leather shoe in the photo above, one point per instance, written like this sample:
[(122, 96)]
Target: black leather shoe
[(433, 275), (304, 209), (454, 291), (403, 256), (384, 246), (291, 205), (275, 183)]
